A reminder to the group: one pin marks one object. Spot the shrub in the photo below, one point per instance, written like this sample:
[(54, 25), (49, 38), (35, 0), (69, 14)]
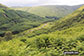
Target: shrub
[(8, 35), (81, 38), (23, 40)]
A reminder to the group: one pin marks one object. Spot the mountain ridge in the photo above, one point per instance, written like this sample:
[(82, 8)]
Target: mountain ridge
[(50, 10)]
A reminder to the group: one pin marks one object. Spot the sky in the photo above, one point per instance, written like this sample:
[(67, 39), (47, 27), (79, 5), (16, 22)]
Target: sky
[(40, 2)]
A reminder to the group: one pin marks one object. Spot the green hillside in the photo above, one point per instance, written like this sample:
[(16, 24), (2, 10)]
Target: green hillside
[(50, 10), (17, 21), (49, 39), (74, 19)]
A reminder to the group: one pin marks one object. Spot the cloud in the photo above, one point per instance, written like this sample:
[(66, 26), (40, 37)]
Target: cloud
[(17, 2), (40, 2), (64, 2)]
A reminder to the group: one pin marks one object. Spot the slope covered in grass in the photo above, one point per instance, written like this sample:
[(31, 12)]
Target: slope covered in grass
[(66, 34), (50, 10), (17, 21), (74, 19)]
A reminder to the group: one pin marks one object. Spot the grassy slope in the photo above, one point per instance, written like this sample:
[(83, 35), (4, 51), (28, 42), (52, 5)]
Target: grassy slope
[(67, 35), (76, 18), (51, 10), (17, 21)]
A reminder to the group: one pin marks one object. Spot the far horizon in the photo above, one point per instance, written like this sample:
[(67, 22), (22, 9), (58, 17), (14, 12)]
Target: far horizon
[(27, 3), (46, 5)]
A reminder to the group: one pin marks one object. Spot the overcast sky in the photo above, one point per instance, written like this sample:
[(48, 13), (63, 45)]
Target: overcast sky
[(40, 2)]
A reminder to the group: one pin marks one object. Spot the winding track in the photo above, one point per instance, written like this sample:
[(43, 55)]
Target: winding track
[(37, 28)]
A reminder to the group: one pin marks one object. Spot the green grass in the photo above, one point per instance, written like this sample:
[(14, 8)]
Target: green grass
[(50, 44), (53, 39)]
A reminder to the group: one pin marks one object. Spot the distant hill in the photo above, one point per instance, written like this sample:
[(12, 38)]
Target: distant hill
[(50, 10), (17, 21), (76, 19)]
